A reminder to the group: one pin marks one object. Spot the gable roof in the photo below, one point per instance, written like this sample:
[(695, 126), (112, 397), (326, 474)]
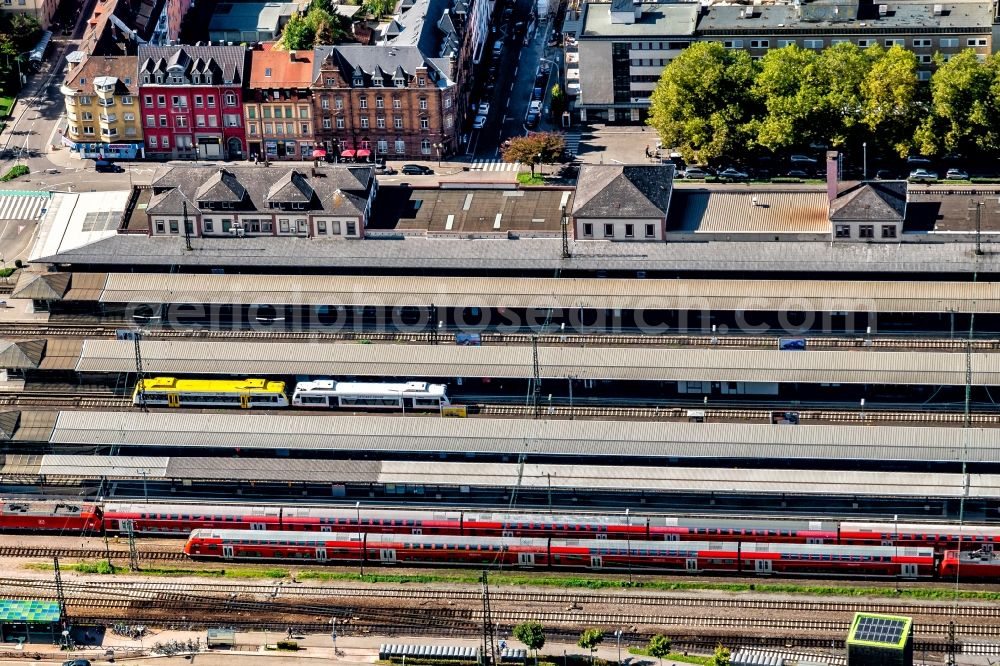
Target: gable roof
[(881, 201), (26, 354), (170, 202), (610, 190), (376, 61), (228, 61), (120, 68), (41, 286), (221, 186), (8, 424), (285, 72), (292, 188)]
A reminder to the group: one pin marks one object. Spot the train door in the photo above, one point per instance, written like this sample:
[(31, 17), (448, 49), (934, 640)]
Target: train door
[(507, 533), (526, 559), (762, 566), (909, 570), (244, 400), (126, 526), (691, 564), (173, 400), (417, 530), (227, 552), (325, 528), (814, 539), (387, 555), (321, 554), (258, 526), (672, 536), (601, 535), (596, 562)]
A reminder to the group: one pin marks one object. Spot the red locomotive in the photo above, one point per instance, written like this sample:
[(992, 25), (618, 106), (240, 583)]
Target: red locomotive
[(61, 517)]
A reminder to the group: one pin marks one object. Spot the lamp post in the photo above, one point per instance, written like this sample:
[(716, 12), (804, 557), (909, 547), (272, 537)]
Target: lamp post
[(618, 639), (628, 545), (864, 165), (357, 506), (440, 149)]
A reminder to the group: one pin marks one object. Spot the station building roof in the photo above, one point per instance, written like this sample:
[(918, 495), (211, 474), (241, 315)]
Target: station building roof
[(606, 293), (499, 362), (507, 475), (559, 437)]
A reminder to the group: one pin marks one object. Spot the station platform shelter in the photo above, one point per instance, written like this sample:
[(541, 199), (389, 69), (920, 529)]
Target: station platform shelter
[(29, 621)]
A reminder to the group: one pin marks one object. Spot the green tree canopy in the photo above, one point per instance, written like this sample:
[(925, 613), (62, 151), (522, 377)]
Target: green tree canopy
[(721, 656), (590, 639), (659, 646), (890, 109), (965, 114), (532, 634), (702, 104), (319, 26), (535, 148), (790, 90)]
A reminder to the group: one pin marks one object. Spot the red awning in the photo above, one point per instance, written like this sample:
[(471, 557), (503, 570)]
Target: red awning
[(347, 153), (364, 153), (319, 153)]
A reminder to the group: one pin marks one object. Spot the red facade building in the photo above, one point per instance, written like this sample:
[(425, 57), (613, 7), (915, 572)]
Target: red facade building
[(191, 99)]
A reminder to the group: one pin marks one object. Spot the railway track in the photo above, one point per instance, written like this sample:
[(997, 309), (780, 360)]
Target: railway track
[(122, 589), (85, 553), (50, 330)]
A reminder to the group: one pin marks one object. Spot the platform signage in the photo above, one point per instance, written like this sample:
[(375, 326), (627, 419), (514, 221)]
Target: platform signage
[(454, 412)]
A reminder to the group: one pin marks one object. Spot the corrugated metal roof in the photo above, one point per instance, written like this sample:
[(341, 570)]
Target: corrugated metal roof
[(61, 354), (35, 426), (19, 465), (261, 469), (750, 295), (86, 287), (751, 211), (552, 437), (103, 466), (615, 363)]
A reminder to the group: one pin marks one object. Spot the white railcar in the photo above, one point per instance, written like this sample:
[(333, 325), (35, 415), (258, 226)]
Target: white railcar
[(360, 395)]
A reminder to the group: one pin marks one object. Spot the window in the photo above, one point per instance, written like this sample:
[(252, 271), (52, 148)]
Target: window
[(888, 231), (213, 121), (425, 147), (351, 229), (447, 102), (948, 42), (324, 103), (340, 123), (924, 59), (379, 102), (321, 227), (87, 115), (161, 100), (377, 82), (178, 102), (174, 228), (733, 43), (358, 82), (231, 120), (383, 145), (380, 122), (326, 123), (423, 103), (421, 81), (843, 231), (251, 128), (864, 43), (978, 41), (268, 128), (364, 122), (760, 43), (425, 123), (147, 100), (609, 231), (163, 121), (921, 42), (129, 117), (866, 231), (650, 231), (363, 102), (159, 225), (131, 131), (267, 71), (782, 43), (166, 142), (812, 43), (199, 100), (230, 99), (588, 229), (894, 42), (126, 99), (279, 129), (303, 112), (208, 226), (199, 121), (182, 121), (834, 42), (923, 75), (335, 227), (397, 103), (400, 146), (210, 99), (152, 141), (338, 103), (448, 121), (399, 83), (397, 122)]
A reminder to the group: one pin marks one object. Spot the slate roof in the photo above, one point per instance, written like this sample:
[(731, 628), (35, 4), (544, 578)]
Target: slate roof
[(377, 61), (610, 190), (41, 286), (876, 201), (121, 68), (26, 354), (228, 61), (422, 26), (337, 190)]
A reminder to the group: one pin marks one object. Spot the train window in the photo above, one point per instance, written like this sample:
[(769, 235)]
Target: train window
[(212, 546)]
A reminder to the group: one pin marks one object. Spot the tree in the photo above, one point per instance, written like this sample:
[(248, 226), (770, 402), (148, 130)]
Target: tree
[(788, 88), (721, 656), (535, 148), (964, 113), (532, 634), (378, 8), (298, 34), (702, 103), (589, 640), (840, 70), (558, 101), (328, 27), (890, 106), (659, 647)]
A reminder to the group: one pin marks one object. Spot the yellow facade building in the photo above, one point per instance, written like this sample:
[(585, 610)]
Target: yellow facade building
[(102, 108)]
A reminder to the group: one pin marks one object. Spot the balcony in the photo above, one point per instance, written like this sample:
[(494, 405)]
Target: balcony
[(109, 117), (106, 102)]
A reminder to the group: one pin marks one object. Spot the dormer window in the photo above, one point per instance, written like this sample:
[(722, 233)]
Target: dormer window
[(421, 81), (196, 78), (177, 79), (145, 78), (159, 78), (267, 71), (83, 82), (399, 83), (377, 82), (128, 80), (358, 81), (208, 77)]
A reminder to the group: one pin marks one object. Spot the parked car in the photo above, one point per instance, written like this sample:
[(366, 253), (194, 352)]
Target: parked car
[(77, 662), (536, 93), (797, 173), (531, 120), (497, 48), (695, 173), (956, 174), (733, 174), (884, 174), (922, 176), (535, 106), (801, 159), (917, 161), (107, 166), (385, 170), (484, 109), (417, 170), (479, 122)]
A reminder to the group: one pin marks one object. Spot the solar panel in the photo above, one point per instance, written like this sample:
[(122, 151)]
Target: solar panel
[(879, 630)]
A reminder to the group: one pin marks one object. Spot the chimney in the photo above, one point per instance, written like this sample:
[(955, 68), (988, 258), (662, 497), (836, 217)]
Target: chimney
[(832, 164), (291, 56)]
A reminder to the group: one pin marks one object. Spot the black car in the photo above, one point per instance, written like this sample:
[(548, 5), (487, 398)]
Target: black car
[(76, 662), (531, 120), (416, 170), (106, 166)]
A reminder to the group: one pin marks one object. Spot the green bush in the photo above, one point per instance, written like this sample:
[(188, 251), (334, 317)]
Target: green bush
[(7, 272), (16, 171), (985, 180), (288, 646)]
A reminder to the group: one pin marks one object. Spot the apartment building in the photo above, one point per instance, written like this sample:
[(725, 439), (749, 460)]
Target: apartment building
[(192, 101), (624, 45), (43, 10), (102, 108), (278, 107)]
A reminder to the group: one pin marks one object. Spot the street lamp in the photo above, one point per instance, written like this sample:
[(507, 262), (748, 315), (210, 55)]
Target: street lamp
[(628, 544), (864, 168), (440, 149), (361, 542), (618, 639)]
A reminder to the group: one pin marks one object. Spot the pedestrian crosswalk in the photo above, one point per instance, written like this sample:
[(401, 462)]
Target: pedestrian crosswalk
[(572, 140), (22, 206), (495, 165)]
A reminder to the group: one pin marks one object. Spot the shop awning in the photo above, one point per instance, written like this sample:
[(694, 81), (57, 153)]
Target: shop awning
[(364, 153), (319, 153), (347, 153)]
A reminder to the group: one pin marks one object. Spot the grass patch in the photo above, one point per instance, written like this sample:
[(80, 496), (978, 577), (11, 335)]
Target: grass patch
[(103, 567), (6, 104), (525, 178), (15, 172), (676, 656), (7, 272)]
